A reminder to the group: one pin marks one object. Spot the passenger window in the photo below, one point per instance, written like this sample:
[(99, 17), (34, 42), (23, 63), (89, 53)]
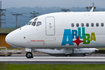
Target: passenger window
[(102, 24), (33, 23), (77, 24), (92, 24), (97, 24), (82, 24), (38, 23), (72, 25), (87, 24)]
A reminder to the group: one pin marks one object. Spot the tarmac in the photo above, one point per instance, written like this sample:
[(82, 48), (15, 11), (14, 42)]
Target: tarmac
[(42, 58)]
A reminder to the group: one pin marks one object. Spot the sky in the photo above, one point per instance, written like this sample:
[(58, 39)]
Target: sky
[(52, 3)]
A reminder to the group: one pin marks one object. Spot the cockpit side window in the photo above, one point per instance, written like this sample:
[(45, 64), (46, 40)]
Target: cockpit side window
[(29, 23), (38, 23), (33, 23)]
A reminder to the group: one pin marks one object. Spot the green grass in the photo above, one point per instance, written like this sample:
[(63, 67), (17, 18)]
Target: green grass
[(6, 30), (101, 48), (4, 66)]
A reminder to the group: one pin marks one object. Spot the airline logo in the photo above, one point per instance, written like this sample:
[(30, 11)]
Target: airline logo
[(69, 35)]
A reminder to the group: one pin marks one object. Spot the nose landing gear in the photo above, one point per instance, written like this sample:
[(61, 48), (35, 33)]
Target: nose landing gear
[(29, 55)]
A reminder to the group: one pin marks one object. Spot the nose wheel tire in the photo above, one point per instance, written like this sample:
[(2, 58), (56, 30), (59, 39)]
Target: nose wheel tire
[(29, 55)]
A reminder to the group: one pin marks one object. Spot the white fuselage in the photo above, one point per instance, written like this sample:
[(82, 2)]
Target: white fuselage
[(61, 30)]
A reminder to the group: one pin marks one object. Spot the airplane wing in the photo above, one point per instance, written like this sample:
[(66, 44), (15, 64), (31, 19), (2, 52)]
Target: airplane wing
[(92, 9)]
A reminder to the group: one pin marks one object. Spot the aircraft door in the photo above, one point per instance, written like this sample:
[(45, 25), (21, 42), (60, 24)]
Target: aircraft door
[(50, 26)]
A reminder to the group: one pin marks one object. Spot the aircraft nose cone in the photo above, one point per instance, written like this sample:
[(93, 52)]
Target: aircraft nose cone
[(9, 39)]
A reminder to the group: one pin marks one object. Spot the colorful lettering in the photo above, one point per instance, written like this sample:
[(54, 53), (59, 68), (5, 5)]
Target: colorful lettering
[(92, 36), (67, 38), (83, 32), (86, 39), (74, 33)]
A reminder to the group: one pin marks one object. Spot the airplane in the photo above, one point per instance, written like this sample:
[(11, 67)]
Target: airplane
[(60, 30), (68, 51)]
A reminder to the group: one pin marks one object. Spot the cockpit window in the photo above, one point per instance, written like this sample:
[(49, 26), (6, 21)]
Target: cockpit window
[(29, 23), (33, 23), (38, 23)]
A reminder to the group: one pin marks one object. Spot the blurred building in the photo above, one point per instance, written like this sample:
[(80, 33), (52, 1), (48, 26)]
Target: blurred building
[(3, 33)]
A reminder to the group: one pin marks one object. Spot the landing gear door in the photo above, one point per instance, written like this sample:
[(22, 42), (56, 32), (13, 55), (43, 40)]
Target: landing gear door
[(50, 26)]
